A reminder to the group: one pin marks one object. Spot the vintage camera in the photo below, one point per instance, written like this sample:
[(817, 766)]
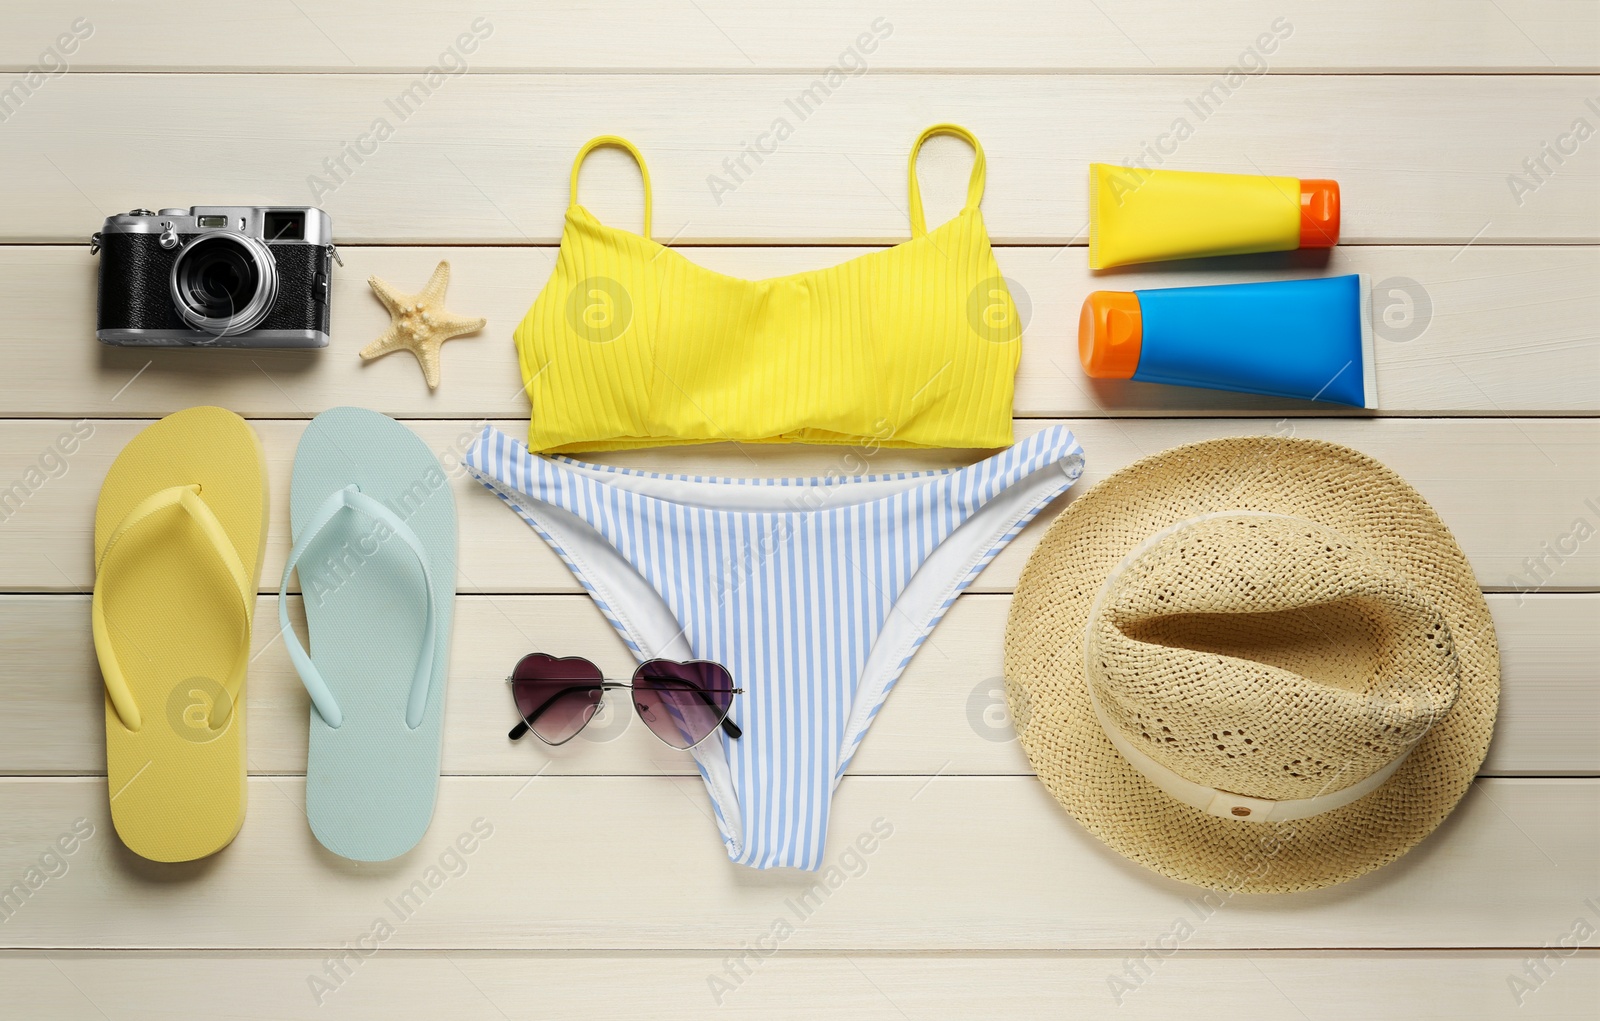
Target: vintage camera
[(215, 276)]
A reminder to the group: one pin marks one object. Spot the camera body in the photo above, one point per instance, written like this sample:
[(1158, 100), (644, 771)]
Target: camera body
[(216, 276)]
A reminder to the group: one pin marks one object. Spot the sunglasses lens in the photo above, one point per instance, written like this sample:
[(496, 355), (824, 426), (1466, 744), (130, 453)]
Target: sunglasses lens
[(682, 702), (556, 697)]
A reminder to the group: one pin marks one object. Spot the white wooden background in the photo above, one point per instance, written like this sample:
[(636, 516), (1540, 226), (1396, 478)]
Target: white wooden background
[(603, 890)]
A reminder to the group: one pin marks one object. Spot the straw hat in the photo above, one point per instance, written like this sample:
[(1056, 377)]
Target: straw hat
[(1253, 664)]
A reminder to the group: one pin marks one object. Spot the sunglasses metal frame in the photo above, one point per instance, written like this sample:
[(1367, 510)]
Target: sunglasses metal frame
[(725, 724)]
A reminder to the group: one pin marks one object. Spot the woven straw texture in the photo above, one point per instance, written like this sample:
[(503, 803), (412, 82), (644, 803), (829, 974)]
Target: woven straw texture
[(1279, 656)]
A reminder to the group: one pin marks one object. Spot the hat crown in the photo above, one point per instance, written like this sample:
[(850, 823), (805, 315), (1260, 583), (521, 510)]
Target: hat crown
[(1267, 655)]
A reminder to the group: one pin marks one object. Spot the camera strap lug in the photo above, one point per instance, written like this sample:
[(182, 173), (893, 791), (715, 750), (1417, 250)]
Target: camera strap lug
[(333, 250), (94, 243)]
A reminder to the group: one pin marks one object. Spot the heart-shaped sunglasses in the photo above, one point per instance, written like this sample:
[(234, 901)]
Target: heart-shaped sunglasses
[(681, 703)]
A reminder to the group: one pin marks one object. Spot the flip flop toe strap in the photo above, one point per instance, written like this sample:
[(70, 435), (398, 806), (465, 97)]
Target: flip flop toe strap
[(351, 498), (123, 544)]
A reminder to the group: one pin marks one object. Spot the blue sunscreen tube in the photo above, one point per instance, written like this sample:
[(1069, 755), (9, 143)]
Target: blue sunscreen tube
[(1306, 339)]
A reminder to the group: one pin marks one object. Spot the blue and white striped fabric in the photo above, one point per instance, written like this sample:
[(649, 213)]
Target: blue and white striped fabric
[(814, 593)]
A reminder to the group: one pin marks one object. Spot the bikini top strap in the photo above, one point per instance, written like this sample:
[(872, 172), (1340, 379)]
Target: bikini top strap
[(620, 143), (974, 183)]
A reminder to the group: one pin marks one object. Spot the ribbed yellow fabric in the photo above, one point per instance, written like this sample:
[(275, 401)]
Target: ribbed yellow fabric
[(632, 345)]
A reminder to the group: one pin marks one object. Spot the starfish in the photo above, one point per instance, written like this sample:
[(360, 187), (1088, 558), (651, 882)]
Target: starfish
[(420, 323)]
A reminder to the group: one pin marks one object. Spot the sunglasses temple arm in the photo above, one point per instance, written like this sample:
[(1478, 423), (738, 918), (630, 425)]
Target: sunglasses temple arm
[(522, 728), (728, 726)]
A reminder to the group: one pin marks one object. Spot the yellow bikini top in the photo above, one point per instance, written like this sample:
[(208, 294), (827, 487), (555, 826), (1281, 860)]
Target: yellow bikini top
[(632, 345)]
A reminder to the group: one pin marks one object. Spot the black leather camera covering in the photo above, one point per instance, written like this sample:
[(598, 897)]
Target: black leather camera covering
[(135, 295)]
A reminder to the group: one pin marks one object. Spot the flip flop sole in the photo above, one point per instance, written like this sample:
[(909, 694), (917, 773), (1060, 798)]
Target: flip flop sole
[(371, 782), (177, 786)]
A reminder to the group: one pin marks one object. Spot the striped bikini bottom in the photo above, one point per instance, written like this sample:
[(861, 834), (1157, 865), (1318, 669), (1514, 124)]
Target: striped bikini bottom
[(814, 593)]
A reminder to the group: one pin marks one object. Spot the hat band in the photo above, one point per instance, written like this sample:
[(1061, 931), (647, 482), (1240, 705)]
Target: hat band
[(1227, 804)]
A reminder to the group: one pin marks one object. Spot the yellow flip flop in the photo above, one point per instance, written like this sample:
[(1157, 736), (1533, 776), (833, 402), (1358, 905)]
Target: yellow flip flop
[(178, 536)]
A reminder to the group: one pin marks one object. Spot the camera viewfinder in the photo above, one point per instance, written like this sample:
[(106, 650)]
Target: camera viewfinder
[(284, 226)]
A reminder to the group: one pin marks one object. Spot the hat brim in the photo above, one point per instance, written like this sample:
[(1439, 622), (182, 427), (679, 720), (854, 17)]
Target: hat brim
[(1335, 486)]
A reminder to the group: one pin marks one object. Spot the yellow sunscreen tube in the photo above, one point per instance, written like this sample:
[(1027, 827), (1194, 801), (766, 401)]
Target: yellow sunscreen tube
[(1138, 215)]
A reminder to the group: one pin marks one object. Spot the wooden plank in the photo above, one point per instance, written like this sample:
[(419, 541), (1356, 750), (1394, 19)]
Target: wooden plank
[(946, 717), (723, 35), (1545, 636), (1513, 491), (468, 986), (484, 158), (956, 863), (1487, 329)]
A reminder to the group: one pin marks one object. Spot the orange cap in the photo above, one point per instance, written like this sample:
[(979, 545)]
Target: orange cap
[(1110, 334), (1319, 213)]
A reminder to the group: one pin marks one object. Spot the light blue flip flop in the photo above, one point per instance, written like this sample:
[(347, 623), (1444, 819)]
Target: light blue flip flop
[(374, 523)]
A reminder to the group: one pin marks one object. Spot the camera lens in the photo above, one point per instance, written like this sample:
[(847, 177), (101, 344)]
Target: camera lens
[(218, 282), (224, 283)]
